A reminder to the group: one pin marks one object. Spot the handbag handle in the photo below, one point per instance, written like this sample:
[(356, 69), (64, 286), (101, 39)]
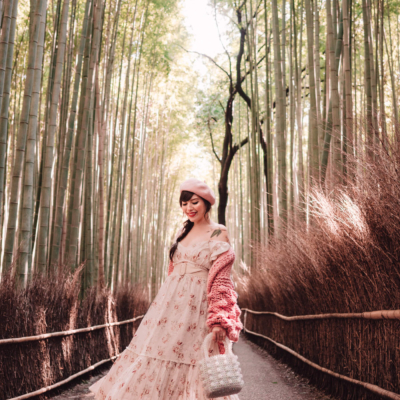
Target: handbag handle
[(207, 341)]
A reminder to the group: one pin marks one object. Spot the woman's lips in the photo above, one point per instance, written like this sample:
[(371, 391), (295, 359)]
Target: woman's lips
[(192, 215)]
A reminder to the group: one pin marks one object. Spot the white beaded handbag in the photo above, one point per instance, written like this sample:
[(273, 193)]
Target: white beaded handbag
[(220, 374)]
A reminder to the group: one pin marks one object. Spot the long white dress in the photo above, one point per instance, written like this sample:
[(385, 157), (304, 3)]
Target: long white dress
[(161, 362)]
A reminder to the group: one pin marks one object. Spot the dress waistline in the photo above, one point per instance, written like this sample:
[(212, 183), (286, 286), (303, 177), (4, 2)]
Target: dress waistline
[(189, 268)]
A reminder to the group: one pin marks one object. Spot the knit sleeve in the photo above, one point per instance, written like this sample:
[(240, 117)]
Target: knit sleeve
[(217, 247), (222, 299)]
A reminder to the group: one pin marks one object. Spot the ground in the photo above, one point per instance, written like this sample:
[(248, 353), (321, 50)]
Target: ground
[(265, 378)]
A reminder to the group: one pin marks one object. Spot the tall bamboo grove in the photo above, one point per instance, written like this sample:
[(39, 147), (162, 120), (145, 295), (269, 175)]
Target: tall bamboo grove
[(86, 118), (99, 99)]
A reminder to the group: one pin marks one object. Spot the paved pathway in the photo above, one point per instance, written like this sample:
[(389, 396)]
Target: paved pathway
[(265, 379)]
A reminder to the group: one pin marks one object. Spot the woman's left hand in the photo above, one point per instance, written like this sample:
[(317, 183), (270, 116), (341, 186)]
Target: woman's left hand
[(219, 333)]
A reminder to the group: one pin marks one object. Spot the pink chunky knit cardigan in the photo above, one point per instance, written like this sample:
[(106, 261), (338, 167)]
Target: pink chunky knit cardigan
[(222, 306)]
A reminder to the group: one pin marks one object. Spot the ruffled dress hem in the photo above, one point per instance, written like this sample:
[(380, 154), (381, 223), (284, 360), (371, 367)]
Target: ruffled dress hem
[(134, 376)]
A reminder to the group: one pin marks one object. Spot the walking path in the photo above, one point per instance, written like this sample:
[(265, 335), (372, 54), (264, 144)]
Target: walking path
[(267, 379), (264, 377)]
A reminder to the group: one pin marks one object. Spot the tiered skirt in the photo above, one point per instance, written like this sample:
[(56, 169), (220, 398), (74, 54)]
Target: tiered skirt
[(161, 362)]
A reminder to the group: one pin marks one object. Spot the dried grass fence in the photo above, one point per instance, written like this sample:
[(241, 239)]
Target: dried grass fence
[(346, 261), (291, 331), (48, 336)]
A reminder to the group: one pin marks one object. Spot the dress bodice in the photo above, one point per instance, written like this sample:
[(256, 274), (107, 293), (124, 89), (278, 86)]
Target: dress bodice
[(202, 253)]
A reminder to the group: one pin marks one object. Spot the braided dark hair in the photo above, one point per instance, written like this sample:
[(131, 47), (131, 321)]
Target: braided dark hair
[(188, 224)]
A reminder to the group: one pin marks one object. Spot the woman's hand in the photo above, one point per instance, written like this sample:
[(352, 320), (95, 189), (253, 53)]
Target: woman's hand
[(218, 333)]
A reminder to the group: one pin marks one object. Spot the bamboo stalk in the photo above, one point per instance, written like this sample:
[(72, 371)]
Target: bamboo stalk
[(67, 333), (100, 275), (5, 109), (313, 159), (280, 120), (317, 66), (299, 116), (368, 74), (347, 72), (75, 212), (21, 142), (136, 72), (48, 154), (332, 125), (292, 105), (267, 119), (4, 39), (62, 189), (25, 251), (123, 161)]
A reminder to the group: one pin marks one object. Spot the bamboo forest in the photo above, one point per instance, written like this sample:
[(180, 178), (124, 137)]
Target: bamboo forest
[(287, 109)]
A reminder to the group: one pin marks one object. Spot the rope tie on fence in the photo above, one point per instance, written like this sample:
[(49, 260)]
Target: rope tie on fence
[(384, 314)]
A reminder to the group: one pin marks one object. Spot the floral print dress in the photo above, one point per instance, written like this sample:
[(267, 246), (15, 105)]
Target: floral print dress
[(161, 362)]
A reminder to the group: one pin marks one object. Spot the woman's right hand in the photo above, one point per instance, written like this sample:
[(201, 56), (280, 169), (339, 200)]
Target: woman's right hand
[(218, 333)]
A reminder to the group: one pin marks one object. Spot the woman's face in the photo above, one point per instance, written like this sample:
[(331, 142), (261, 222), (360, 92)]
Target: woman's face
[(194, 208)]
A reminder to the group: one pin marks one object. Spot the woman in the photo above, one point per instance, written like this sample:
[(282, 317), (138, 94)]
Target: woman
[(161, 362)]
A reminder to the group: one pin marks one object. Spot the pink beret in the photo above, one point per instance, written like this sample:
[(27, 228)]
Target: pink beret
[(198, 187)]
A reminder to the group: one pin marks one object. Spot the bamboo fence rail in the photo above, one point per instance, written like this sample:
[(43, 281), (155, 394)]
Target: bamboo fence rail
[(65, 333), (382, 314), (48, 388), (375, 315)]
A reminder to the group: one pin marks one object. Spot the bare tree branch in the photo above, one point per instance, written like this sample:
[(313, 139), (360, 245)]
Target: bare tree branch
[(220, 39), (237, 146), (252, 69), (206, 56), (241, 6), (255, 13), (212, 141), (238, 86)]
